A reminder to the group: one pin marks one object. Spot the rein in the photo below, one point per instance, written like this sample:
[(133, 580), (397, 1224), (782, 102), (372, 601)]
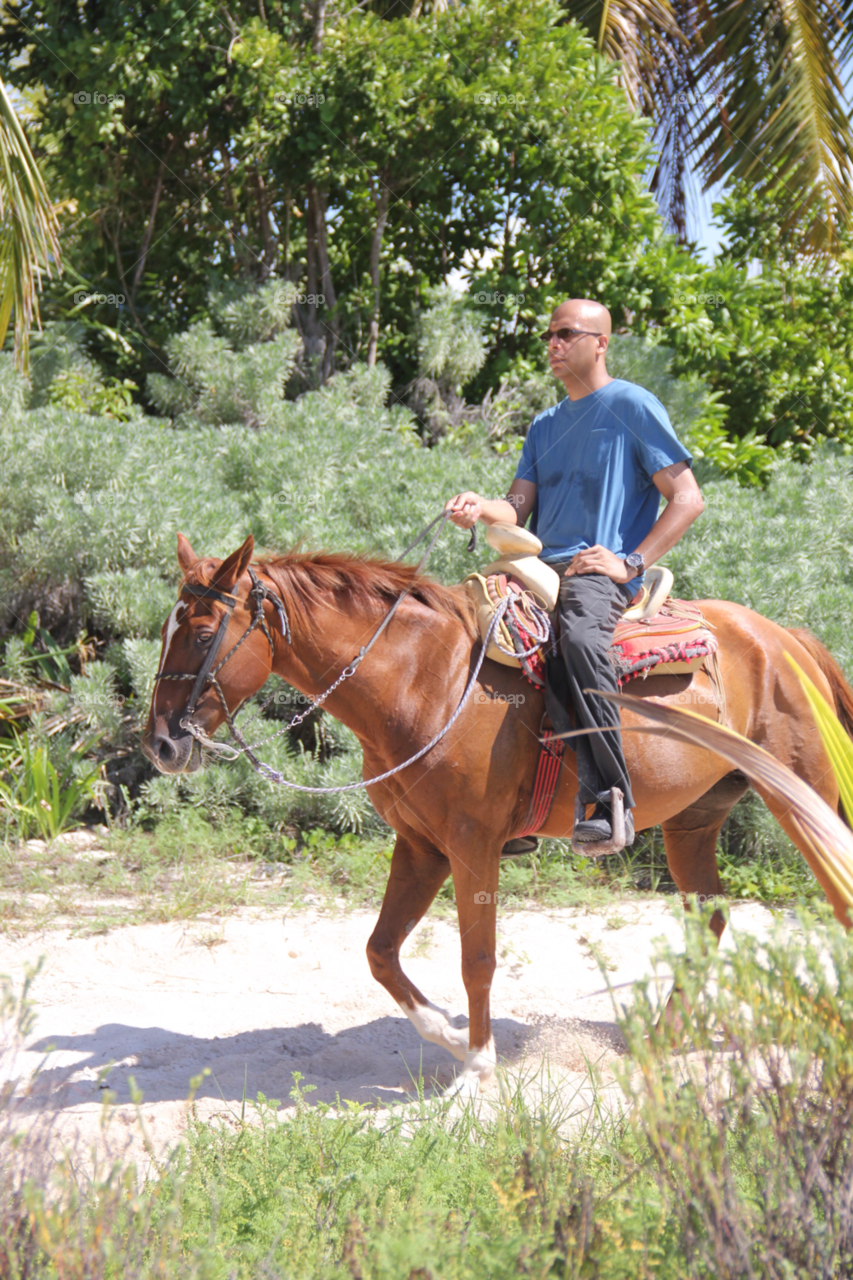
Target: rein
[(258, 594)]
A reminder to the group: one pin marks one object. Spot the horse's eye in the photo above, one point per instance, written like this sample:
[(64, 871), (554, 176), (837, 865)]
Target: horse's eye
[(203, 639)]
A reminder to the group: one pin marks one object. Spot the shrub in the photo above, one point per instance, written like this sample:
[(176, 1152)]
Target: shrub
[(92, 506)]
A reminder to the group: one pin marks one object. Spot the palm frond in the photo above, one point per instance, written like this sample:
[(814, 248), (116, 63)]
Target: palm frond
[(28, 231), (838, 746), (825, 840), (780, 116), (643, 35)]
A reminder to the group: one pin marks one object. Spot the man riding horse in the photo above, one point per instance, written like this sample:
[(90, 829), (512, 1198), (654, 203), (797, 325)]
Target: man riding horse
[(590, 478)]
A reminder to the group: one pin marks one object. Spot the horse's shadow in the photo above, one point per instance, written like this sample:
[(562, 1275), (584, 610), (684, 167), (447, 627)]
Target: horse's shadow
[(380, 1060)]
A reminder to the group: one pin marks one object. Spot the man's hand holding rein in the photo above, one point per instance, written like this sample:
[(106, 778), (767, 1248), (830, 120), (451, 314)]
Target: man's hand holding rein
[(467, 508)]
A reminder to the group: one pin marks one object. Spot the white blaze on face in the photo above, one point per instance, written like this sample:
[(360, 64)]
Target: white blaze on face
[(171, 627)]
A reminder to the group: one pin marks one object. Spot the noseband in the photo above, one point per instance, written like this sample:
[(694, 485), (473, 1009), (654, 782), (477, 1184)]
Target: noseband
[(208, 672)]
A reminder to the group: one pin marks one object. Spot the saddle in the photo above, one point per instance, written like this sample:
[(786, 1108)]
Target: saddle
[(658, 635)]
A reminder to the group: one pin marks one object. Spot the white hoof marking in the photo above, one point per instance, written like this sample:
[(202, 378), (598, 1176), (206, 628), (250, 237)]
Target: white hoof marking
[(431, 1023)]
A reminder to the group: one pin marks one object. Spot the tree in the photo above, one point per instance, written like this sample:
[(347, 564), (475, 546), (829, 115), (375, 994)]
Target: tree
[(769, 329), (750, 91), (363, 160)]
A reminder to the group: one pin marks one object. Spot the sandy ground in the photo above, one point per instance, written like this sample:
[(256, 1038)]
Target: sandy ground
[(260, 996)]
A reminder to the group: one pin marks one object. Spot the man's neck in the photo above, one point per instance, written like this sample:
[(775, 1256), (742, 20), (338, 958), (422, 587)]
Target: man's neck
[(577, 388)]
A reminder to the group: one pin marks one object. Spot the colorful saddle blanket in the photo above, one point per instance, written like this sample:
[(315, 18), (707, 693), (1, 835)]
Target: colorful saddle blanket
[(675, 640)]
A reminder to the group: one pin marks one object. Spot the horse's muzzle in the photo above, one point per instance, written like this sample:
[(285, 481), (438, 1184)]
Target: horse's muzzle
[(172, 755)]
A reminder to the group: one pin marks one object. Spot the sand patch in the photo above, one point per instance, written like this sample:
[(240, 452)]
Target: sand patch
[(259, 996)]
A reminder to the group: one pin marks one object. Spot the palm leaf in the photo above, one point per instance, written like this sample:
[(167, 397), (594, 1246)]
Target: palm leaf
[(643, 35), (28, 231), (745, 90), (781, 115), (836, 743), (826, 842)]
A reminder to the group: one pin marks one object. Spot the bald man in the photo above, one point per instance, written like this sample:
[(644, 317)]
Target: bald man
[(592, 472)]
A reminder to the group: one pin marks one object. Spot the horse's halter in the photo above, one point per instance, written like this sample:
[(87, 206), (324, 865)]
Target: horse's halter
[(207, 672)]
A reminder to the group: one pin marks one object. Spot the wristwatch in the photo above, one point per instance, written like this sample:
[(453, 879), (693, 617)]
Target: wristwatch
[(636, 562)]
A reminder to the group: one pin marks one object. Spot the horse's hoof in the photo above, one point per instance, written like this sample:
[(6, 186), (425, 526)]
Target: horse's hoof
[(464, 1086)]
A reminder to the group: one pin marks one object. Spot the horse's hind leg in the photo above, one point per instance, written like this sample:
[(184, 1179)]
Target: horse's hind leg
[(416, 876), (690, 840)]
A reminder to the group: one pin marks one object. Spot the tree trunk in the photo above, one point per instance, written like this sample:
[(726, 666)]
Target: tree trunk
[(317, 206), (270, 245), (149, 230), (319, 28), (382, 201)]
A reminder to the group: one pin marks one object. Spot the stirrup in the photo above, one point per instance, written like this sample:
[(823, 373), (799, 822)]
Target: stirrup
[(519, 846), (621, 827)]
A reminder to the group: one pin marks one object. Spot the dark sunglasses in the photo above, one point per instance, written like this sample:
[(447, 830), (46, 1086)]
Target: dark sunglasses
[(565, 334)]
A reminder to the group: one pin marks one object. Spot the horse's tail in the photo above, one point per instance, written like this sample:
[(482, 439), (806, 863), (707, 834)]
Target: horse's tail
[(842, 694)]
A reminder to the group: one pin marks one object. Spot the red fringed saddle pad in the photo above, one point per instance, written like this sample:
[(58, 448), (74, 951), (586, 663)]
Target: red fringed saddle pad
[(675, 640)]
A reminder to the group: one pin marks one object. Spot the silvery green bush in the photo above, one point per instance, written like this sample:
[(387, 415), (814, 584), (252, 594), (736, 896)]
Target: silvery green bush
[(91, 507)]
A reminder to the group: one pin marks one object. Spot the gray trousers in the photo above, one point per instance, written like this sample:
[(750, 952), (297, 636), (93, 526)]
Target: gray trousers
[(589, 607)]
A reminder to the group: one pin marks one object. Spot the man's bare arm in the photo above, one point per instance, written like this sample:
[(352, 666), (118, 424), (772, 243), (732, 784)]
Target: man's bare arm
[(469, 507), (683, 504)]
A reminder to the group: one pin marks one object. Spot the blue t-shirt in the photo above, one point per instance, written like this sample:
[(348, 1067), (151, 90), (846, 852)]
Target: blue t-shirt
[(592, 461)]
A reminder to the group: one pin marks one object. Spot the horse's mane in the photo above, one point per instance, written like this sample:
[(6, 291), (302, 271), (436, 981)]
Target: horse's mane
[(303, 577)]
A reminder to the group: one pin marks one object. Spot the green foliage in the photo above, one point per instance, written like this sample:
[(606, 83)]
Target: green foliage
[(235, 376), (752, 1148), (37, 798), (769, 331), (732, 1161), (282, 150)]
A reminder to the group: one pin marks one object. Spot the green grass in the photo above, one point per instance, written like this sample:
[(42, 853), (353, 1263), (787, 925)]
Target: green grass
[(710, 1168), (190, 868)]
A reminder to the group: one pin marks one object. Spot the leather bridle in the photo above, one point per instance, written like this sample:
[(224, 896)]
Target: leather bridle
[(208, 672), (258, 594)]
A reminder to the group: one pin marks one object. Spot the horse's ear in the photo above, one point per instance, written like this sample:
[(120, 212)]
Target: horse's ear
[(186, 556), (230, 570)]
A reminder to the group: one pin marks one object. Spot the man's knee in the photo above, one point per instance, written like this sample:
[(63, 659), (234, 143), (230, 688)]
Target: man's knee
[(584, 636)]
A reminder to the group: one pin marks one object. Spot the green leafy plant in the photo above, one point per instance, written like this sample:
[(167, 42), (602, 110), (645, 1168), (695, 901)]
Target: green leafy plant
[(39, 797)]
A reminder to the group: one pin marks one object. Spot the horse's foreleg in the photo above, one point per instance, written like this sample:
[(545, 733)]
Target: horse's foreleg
[(416, 877), (476, 906), (690, 840)]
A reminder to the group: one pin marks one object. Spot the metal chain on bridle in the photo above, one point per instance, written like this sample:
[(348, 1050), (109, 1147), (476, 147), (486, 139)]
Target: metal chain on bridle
[(259, 593)]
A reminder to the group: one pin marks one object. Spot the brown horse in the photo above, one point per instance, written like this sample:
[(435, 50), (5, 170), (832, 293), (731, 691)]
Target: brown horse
[(454, 809)]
